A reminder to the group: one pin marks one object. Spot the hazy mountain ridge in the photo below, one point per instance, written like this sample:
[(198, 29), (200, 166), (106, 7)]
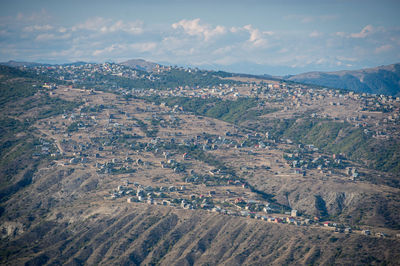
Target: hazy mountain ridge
[(12, 63), (23, 64), (140, 64), (377, 80)]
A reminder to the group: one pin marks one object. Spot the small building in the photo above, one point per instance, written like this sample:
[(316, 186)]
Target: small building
[(327, 224), (366, 232), (290, 220)]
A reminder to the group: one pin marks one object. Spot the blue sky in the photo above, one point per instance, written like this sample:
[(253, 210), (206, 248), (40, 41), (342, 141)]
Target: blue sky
[(271, 37)]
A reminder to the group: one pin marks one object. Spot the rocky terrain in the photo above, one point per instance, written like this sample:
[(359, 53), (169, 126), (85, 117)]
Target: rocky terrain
[(114, 233)]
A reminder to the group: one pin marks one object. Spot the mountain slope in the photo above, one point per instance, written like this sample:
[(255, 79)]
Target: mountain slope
[(140, 64), (153, 235), (378, 80), (73, 158), (12, 63)]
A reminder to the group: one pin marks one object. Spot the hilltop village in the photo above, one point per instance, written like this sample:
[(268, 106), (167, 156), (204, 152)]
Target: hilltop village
[(165, 147)]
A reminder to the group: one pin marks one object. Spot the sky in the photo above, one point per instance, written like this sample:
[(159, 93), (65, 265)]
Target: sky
[(257, 37)]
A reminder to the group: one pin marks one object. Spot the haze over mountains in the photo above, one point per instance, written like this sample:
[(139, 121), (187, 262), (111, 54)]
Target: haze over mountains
[(378, 80), (140, 64)]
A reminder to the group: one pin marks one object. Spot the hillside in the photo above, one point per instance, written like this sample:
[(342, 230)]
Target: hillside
[(102, 164), (12, 63), (379, 80), (140, 64), (149, 235)]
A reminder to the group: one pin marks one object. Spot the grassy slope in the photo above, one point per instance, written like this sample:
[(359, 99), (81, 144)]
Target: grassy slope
[(338, 137)]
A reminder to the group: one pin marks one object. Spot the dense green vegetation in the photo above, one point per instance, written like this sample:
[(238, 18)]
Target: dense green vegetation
[(338, 137), (15, 156), (15, 84), (145, 129), (236, 111), (73, 127), (54, 106), (20, 150), (170, 79)]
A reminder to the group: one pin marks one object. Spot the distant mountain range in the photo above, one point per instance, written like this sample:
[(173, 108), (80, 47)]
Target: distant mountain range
[(13, 63), (140, 64), (377, 80)]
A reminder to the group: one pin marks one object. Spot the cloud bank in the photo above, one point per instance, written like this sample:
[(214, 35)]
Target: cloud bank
[(193, 41)]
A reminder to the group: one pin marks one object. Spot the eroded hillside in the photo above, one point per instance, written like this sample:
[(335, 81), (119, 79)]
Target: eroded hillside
[(115, 233)]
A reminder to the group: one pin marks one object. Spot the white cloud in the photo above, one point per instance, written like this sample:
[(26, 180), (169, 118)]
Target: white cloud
[(117, 49), (38, 28), (383, 48), (309, 19), (257, 38), (129, 27), (62, 30), (364, 33), (315, 34), (194, 28), (144, 47), (93, 24), (51, 36), (341, 34), (367, 30), (283, 50), (195, 41), (34, 17), (301, 18), (320, 61), (102, 25), (105, 50), (223, 50), (344, 58)]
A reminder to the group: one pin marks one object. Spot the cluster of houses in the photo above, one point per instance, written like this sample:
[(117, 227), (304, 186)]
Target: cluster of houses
[(300, 160), (294, 96), (307, 157), (162, 196), (76, 73), (45, 148)]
